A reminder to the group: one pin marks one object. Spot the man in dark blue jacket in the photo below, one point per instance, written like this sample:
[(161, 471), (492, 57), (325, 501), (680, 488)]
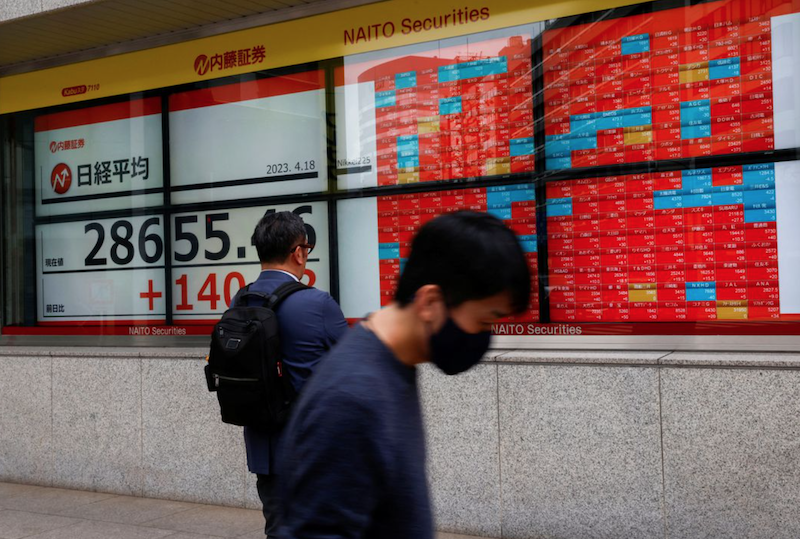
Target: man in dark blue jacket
[(310, 323), (354, 448)]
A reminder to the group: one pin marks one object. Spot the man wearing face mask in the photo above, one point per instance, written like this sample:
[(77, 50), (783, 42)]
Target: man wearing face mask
[(354, 449)]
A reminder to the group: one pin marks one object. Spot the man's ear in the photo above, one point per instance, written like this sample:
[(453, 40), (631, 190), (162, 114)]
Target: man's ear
[(296, 256), (429, 304)]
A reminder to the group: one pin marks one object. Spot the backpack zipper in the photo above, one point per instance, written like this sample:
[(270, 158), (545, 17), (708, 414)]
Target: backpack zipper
[(218, 377)]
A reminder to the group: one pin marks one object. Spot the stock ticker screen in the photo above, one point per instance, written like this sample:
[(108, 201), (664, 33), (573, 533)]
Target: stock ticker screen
[(691, 245), (459, 108), (708, 79), (399, 217)]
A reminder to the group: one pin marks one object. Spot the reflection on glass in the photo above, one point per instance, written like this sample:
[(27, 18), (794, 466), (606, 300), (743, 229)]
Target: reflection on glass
[(686, 82), (437, 111), (262, 137)]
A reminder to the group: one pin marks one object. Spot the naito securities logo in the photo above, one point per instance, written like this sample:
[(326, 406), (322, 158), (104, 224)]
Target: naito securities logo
[(61, 178), (60, 146), (203, 64)]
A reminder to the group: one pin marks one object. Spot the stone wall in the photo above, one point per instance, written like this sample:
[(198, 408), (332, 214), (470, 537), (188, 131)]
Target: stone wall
[(556, 444)]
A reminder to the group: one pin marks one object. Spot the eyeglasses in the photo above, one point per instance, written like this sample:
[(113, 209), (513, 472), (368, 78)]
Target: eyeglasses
[(304, 246)]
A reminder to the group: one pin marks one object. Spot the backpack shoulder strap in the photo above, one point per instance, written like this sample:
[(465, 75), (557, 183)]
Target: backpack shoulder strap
[(245, 293), (282, 292)]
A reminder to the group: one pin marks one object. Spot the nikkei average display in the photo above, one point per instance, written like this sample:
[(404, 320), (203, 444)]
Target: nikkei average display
[(715, 78), (105, 157), (437, 111)]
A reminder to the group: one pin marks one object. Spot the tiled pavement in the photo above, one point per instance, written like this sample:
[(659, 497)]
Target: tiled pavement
[(51, 513)]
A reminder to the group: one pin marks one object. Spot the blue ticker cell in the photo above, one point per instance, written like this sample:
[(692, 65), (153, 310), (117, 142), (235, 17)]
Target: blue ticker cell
[(516, 187), (759, 166), (696, 172), (559, 207), (759, 199), (636, 44), (557, 148), (473, 69), (505, 198), (407, 143), (384, 99), (520, 146), (388, 251), (758, 176), (563, 200), (695, 131), (697, 201), (724, 62), (588, 124), (725, 198), (695, 115), (668, 193), (695, 103), (485, 67), (405, 80), (759, 216), (638, 110), (583, 126), (699, 181), (583, 143), (667, 202), (702, 291), (724, 68), (450, 105), (448, 73), (608, 122), (558, 163), (528, 243), (700, 284), (408, 162), (408, 151), (634, 120), (501, 213)]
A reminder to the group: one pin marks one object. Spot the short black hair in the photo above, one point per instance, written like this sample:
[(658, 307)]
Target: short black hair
[(275, 235), (471, 256)]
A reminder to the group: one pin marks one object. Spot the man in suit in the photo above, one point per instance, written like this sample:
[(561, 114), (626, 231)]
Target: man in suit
[(310, 323)]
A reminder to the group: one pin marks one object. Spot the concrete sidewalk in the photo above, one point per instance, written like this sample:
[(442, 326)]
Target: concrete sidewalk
[(52, 513)]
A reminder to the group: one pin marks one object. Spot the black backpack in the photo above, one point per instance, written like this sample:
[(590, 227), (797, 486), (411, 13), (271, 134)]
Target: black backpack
[(244, 366)]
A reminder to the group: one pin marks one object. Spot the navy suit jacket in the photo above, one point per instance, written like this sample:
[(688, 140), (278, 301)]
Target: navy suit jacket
[(310, 322)]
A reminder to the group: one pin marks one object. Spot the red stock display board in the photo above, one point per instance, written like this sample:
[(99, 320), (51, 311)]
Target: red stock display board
[(684, 82), (692, 245), (450, 111), (399, 217)]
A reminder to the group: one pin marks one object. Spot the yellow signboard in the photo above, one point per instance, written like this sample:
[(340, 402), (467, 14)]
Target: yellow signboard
[(341, 33)]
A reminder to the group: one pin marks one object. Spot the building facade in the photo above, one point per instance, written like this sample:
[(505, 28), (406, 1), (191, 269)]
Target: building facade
[(646, 155)]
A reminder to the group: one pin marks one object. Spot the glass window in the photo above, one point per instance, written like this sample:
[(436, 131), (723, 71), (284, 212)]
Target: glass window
[(457, 108), (256, 138), (375, 238), (648, 157)]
